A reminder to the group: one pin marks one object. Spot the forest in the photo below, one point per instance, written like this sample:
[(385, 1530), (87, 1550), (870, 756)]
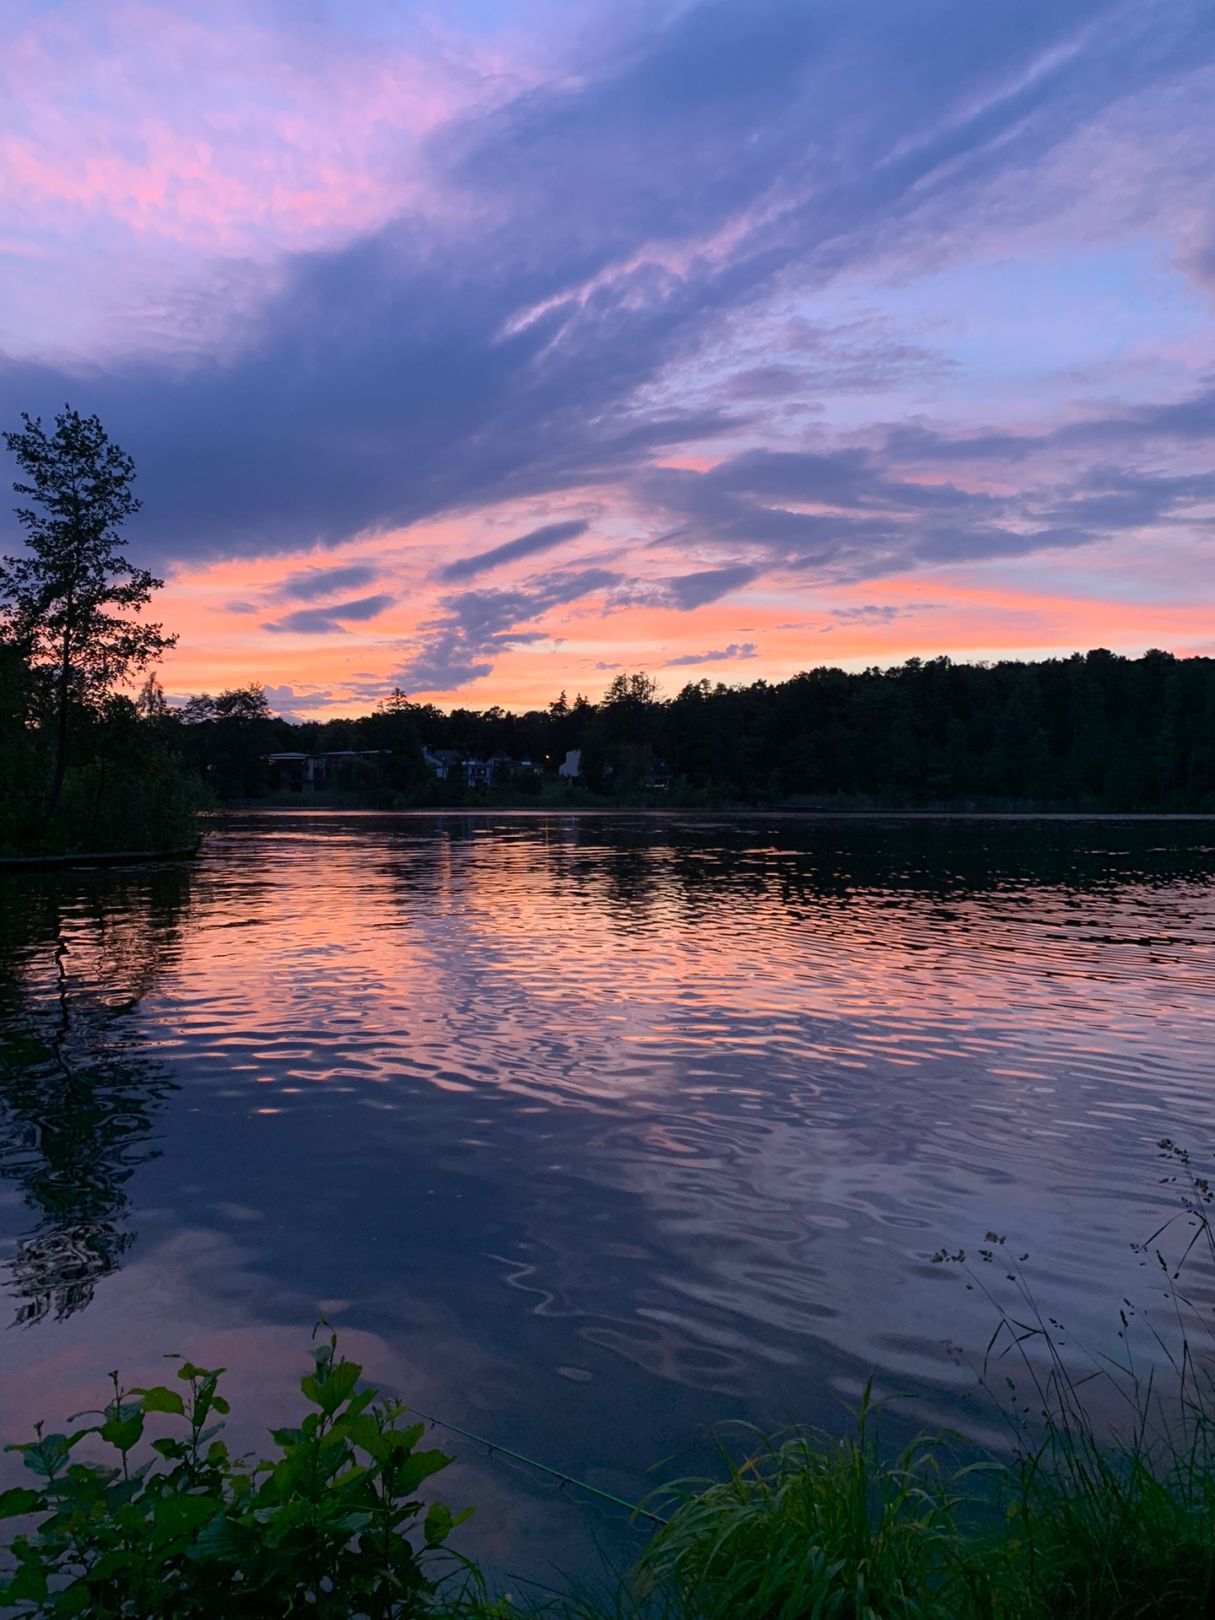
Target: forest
[(1093, 731)]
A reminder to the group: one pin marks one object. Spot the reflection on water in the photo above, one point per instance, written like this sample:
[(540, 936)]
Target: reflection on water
[(599, 1128), (77, 1096)]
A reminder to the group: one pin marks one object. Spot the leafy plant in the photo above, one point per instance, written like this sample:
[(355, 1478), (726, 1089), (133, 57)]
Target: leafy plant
[(324, 1527)]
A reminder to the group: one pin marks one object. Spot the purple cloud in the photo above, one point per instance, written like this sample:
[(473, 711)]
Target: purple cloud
[(291, 705), (688, 591), (478, 625), (309, 583), (527, 545), (418, 369), (736, 649), (324, 621)]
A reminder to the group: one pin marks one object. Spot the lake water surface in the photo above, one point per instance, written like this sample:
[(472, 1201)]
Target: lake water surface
[(587, 1131)]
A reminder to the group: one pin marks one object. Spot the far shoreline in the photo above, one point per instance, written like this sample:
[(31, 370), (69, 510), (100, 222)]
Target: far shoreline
[(736, 812)]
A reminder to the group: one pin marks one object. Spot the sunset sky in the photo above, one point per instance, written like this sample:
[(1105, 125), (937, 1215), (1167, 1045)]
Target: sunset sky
[(487, 347)]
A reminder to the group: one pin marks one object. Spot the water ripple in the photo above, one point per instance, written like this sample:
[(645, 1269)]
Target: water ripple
[(633, 1104)]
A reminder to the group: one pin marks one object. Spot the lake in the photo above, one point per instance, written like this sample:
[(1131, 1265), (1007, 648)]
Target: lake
[(586, 1131)]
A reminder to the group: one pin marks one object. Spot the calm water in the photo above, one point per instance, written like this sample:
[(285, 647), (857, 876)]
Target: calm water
[(587, 1131)]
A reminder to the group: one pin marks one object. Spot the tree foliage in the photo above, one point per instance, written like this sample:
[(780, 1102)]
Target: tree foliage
[(1092, 731), (71, 603), (125, 785)]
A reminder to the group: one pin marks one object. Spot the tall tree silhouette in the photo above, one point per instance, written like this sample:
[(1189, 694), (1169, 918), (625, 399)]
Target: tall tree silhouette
[(69, 601)]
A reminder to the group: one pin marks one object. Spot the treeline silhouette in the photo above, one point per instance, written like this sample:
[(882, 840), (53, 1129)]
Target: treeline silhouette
[(1091, 731)]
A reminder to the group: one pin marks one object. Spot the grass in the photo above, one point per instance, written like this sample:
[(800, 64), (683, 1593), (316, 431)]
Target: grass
[(1102, 1506), (808, 1525)]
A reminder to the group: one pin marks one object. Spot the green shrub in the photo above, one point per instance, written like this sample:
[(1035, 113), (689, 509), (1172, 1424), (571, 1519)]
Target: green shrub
[(153, 807), (125, 787), (323, 1527)]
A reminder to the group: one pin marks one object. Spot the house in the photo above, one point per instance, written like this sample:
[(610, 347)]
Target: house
[(290, 772), (295, 772), (444, 762), (449, 765), (571, 765)]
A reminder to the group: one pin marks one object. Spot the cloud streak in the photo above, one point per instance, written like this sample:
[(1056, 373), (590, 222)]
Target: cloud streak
[(310, 583), (476, 626), (526, 545), (736, 649), (331, 620)]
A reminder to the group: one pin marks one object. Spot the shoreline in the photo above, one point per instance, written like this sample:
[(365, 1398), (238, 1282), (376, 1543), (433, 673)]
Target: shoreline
[(733, 811), (122, 857)]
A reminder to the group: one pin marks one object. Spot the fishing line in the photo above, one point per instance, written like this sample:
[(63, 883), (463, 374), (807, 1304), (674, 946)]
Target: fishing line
[(531, 1462)]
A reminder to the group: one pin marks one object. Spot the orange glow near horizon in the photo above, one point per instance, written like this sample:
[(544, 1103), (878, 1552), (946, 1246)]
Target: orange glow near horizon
[(220, 611)]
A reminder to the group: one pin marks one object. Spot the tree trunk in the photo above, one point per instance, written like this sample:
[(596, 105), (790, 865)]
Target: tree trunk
[(61, 732)]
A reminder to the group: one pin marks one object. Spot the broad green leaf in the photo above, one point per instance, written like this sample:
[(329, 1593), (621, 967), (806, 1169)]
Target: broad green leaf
[(29, 1583), (353, 1522), (329, 1386), (188, 1370), (220, 1540), (122, 1433), (414, 1468), (76, 1599), (44, 1456), (437, 1524), (19, 1500), (364, 1431), (160, 1399), (175, 1514)]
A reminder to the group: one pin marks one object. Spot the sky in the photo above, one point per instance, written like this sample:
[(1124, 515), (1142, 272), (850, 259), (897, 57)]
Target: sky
[(486, 348)]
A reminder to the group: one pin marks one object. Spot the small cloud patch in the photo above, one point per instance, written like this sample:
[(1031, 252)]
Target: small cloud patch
[(720, 655), (310, 583), (325, 621), (526, 545)]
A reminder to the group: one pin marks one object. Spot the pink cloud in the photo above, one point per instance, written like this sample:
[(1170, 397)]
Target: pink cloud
[(160, 159), (212, 129)]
